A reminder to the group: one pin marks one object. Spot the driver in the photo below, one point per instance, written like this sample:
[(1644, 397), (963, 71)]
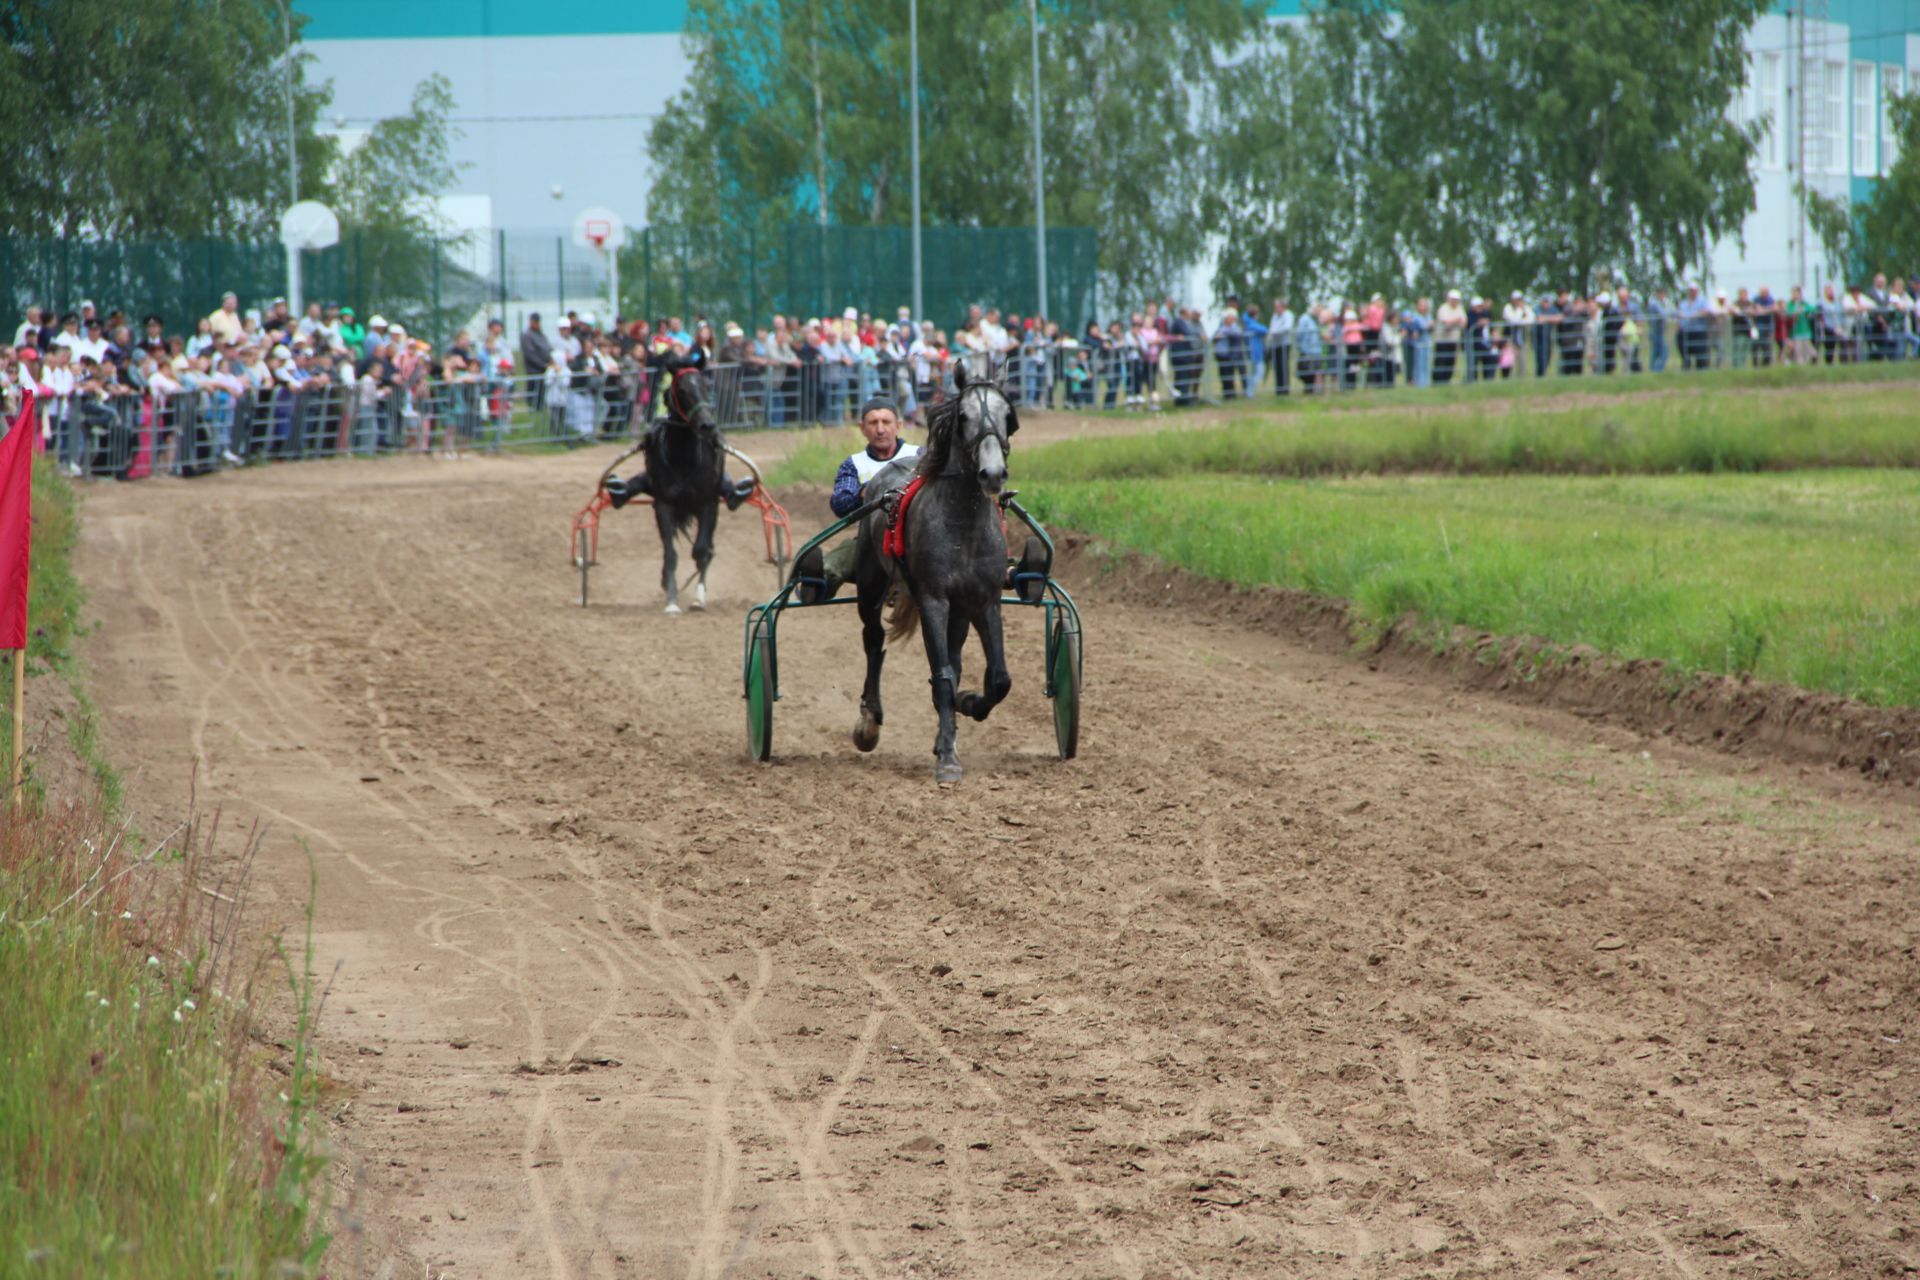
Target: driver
[(621, 492), (880, 424)]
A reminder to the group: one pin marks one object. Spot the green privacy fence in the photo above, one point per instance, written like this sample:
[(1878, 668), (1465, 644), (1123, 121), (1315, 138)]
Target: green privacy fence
[(437, 286), (816, 271), (429, 284)]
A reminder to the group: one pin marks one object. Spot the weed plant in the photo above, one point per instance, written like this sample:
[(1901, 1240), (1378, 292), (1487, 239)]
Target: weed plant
[(144, 1130)]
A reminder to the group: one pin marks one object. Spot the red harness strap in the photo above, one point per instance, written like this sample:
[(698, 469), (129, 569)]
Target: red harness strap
[(894, 541)]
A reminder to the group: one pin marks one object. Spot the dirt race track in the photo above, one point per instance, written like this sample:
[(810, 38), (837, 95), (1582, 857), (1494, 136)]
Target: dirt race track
[(1300, 970)]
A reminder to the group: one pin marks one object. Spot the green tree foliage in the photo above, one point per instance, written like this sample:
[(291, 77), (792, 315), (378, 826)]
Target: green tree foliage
[(792, 106), (389, 181), (1881, 233), (1488, 145), (384, 191), (164, 119)]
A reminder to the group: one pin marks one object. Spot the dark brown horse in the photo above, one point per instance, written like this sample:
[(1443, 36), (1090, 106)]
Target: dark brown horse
[(684, 465)]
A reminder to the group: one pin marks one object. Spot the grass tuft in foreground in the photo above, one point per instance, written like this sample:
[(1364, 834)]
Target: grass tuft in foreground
[(144, 1131)]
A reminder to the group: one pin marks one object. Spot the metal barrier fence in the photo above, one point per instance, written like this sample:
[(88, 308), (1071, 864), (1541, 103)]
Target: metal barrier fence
[(128, 435)]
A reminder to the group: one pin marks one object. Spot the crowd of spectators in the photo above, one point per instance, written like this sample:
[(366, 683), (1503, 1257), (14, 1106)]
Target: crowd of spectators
[(1420, 345), (121, 398)]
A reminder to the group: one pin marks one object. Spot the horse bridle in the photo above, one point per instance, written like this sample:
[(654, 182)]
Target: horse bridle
[(678, 411), (966, 451)]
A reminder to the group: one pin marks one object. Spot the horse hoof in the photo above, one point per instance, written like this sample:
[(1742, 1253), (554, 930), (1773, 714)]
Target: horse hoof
[(866, 734), (947, 771), (673, 611), (699, 604)]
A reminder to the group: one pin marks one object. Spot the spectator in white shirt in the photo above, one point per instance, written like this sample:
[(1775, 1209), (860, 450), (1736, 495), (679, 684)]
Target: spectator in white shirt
[(29, 331)]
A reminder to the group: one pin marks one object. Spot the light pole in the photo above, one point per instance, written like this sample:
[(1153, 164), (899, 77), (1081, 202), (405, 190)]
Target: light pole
[(913, 108), (294, 304), (1039, 176), (293, 151)]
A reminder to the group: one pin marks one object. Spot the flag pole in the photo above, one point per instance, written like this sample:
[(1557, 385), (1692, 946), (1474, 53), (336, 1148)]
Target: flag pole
[(16, 533), (19, 722)]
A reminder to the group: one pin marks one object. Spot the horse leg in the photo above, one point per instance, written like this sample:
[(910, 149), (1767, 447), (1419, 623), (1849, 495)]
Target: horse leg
[(703, 552), (999, 681), (873, 633), (669, 558), (934, 626)]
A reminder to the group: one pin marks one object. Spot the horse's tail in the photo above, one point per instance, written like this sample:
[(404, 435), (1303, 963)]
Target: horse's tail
[(905, 618)]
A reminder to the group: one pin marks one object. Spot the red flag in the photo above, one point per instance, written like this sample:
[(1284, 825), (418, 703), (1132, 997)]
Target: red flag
[(16, 526)]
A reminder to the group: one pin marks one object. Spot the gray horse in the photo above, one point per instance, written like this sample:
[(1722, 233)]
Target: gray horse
[(954, 566)]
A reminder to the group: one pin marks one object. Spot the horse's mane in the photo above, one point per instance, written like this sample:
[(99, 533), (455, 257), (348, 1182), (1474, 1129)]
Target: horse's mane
[(943, 426)]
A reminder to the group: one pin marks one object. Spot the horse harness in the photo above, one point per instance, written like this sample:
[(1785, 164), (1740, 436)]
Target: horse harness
[(893, 541)]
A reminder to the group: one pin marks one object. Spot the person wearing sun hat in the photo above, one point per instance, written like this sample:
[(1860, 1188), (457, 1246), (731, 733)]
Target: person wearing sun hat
[(380, 335)]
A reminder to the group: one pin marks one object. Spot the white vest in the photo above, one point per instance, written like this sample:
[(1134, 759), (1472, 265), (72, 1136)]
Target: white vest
[(866, 466)]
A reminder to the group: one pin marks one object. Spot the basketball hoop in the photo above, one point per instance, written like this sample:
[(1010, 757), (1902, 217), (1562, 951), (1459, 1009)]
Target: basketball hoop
[(602, 230)]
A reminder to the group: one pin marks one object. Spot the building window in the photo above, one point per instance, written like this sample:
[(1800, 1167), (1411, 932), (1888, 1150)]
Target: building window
[(1833, 120), (1823, 115), (1891, 79), (1862, 121), (1763, 104)]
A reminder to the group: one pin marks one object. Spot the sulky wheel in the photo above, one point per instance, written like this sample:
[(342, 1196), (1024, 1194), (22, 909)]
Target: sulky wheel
[(760, 693), (1066, 689), (782, 553), (583, 556)]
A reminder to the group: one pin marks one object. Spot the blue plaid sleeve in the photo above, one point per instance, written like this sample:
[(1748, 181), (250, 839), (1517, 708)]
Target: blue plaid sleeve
[(846, 489)]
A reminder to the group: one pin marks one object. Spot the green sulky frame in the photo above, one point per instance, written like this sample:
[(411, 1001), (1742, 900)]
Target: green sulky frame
[(760, 664)]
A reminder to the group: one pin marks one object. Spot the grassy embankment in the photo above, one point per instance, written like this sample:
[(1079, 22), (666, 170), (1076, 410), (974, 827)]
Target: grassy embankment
[(1855, 427), (1771, 534), (140, 1134)]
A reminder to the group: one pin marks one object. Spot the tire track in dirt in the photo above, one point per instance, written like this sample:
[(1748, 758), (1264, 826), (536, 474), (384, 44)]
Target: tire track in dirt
[(725, 1059), (724, 1030)]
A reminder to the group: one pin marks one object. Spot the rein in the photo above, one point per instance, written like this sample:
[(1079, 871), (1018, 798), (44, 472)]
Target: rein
[(893, 539)]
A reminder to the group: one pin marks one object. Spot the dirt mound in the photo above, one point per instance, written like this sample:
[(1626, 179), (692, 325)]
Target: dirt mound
[(1739, 715)]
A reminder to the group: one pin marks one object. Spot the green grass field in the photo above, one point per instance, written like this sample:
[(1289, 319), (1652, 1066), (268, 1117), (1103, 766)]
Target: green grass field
[(1863, 427), (1808, 578), (139, 1136), (1756, 521)]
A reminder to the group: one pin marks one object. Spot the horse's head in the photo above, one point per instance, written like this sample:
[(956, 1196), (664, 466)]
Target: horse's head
[(979, 434), (687, 401)]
